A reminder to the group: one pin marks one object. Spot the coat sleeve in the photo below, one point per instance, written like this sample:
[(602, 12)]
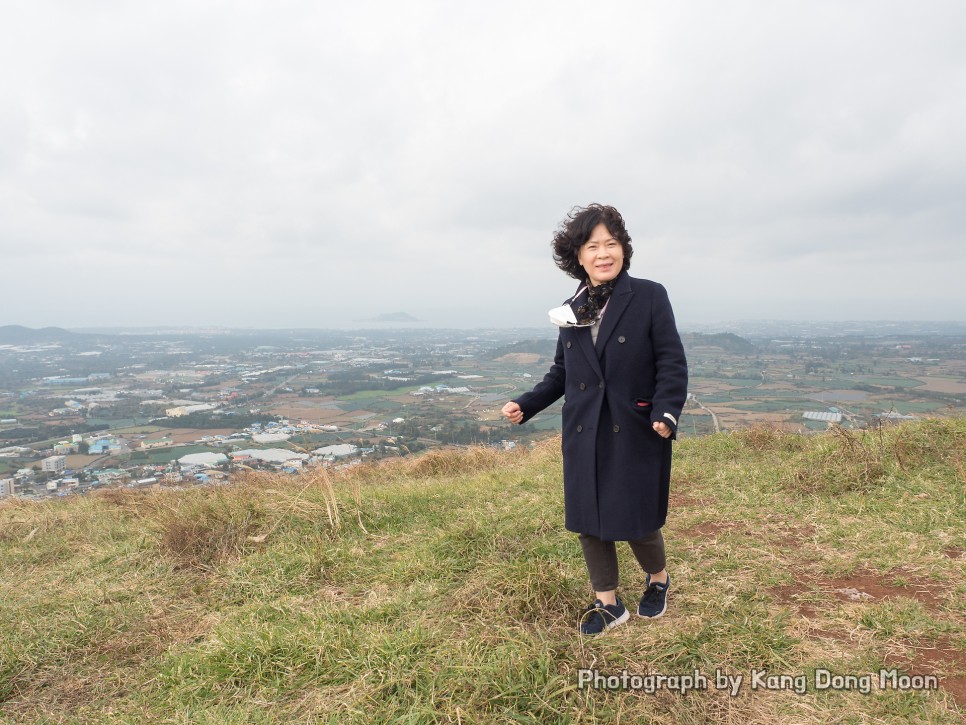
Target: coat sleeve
[(548, 390), (670, 364)]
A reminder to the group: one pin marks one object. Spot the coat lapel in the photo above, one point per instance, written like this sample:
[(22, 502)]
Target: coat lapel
[(584, 338), (619, 299)]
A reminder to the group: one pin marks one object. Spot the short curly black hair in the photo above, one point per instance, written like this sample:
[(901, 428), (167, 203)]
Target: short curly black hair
[(575, 230)]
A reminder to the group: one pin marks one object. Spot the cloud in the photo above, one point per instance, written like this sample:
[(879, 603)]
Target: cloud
[(419, 156)]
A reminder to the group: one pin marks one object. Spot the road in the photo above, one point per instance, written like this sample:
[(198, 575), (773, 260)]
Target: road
[(714, 418)]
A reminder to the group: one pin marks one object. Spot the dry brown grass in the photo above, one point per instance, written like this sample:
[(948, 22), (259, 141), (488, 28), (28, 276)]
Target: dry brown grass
[(22, 520), (201, 531), (850, 460), (843, 461), (929, 442), (771, 438), (203, 527), (444, 463)]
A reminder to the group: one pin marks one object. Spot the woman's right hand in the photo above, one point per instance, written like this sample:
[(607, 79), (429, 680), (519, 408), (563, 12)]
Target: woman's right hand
[(511, 411)]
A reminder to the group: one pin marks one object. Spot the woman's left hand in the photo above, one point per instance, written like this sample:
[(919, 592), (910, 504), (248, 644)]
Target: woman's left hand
[(511, 411), (662, 429)]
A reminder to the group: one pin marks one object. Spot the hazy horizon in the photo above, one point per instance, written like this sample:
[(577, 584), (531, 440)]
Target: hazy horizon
[(302, 164), (742, 327)]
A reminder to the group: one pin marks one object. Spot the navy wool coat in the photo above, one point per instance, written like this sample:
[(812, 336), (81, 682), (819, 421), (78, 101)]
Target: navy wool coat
[(617, 469)]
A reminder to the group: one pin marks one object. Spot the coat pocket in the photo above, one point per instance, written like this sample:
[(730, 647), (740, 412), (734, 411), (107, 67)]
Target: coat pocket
[(642, 406)]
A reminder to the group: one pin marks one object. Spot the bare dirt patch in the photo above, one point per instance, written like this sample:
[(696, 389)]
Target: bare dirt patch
[(867, 587), (519, 358), (677, 500), (777, 386), (732, 418), (943, 659), (790, 535), (706, 387), (860, 587), (954, 552), (312, 410), (79, 461), (711, 529), (864, 587), (789, 593), (942, 385)]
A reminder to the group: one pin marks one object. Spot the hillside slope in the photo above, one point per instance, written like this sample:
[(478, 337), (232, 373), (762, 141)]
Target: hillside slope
[(444, 589)]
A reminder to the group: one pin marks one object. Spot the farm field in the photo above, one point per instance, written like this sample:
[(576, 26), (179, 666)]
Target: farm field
[(394, 393)]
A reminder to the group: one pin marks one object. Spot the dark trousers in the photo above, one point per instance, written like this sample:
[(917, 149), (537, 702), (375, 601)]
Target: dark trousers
[(601, 558)]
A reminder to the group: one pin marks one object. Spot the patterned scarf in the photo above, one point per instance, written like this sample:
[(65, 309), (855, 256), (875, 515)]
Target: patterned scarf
[(589, 312)]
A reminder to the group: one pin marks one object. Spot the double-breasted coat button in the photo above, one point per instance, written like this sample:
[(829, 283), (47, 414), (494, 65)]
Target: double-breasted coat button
[(601, 385), (579, 428), (617, 429), (582, 386), (621, 339), (568, 343)]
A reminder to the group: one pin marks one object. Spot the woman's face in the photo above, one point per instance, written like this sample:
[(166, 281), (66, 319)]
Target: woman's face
[(601, 256)]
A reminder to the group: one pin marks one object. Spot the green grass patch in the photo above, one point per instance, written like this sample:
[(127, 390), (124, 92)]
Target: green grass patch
[(910, 407), (886, 382), (443, 588), (548, 422), (138, 429), (365, 396)]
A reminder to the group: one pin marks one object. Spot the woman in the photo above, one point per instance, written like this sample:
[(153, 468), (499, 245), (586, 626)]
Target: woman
[(621, 367)]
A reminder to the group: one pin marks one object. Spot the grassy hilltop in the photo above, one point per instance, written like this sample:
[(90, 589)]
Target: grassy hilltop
[(444, 589)]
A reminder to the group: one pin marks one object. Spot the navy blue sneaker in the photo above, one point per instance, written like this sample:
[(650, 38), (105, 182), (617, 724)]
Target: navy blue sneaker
[(654, 601), (600, 617)]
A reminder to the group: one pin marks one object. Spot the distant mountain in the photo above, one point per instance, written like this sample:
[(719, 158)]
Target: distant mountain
[(543, 348), (727, 341), (392, 317), (18, 334)]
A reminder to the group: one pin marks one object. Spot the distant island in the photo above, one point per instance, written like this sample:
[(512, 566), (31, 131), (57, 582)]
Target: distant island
[(18, 334), (392, 317)]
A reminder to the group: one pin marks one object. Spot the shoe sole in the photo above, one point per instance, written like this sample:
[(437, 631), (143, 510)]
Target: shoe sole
[(652, 616), (610, 625), (620, 620)]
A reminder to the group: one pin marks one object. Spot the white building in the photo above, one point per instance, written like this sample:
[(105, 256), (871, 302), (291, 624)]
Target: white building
[(202, 459), (270, 437), (824, 416), (54, 464), (6, 487), (279, 456), (336, 451)]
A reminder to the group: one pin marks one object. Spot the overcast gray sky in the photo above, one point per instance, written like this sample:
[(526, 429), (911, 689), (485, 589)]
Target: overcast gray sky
[(291, 163)]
